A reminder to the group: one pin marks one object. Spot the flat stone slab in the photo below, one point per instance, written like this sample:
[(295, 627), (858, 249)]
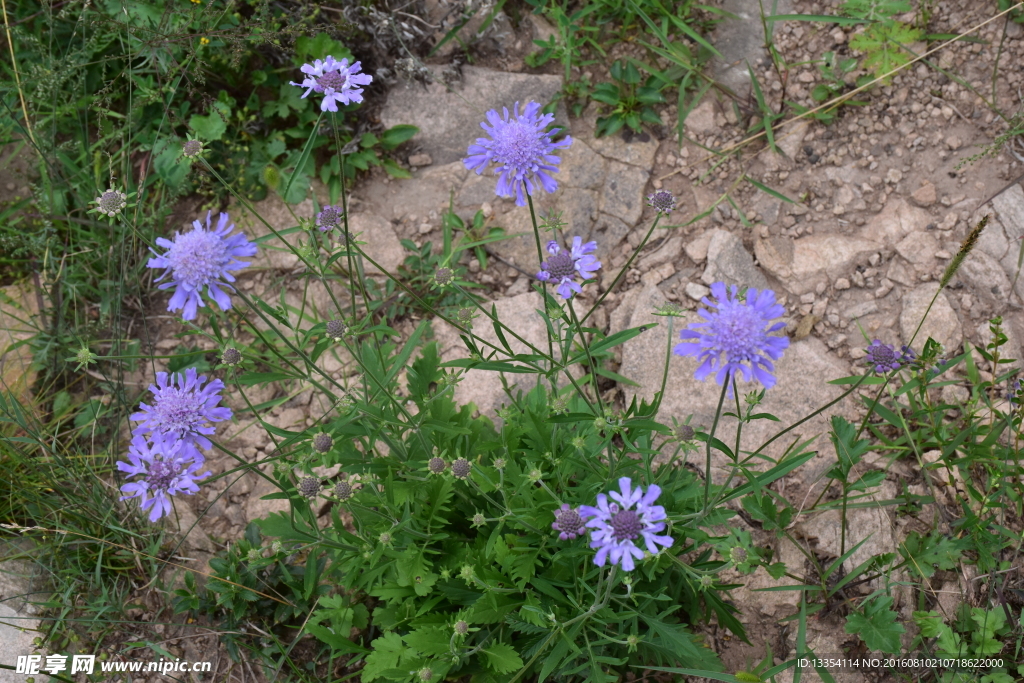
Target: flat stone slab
[(449, 122)]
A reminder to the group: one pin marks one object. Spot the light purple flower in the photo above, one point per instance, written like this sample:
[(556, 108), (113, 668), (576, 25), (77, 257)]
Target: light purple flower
[(563, 266), (568, 523), (883, 358), (201, 258), (166, 468), (520, 148), (617, 526), (182, 408), (330, 218), (337, 81), (739, 332)]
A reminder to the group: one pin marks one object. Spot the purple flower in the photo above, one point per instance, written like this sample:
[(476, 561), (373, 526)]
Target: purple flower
[(521, 149), (568, 523), (167, 467), (329, 218), (662, 200), (739, 331), (182, 408), (336, 80), (201, 258), (563, 266), (616, 526), (883, 358)]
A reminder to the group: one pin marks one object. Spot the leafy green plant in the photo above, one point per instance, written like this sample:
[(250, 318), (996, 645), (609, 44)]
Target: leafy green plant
[(630, 101), (975, 634), (884, 39)]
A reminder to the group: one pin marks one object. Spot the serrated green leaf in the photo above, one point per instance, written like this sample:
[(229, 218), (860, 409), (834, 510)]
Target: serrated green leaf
[(502, 658), (876, 625)]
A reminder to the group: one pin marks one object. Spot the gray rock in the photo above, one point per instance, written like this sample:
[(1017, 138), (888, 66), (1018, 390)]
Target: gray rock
[(813, 260), (897, 220), (791, 136), (256, 508), (520, 245), (279, 217), (791, 399), (449, 122), (702, 118), (697, 249), (695, 291), (581, 167), (636, 150), (993, 240), (185, 523), (986, 278), (18, 622), (428, 190), (942, 323), (870, 523), (919, 247), (740, 40), (902, 272), (579, 209), (730, 263), (608, 232), (1010, 208), (860, 310), (483, 388), (667, 253), (382, 244), (623, 192)]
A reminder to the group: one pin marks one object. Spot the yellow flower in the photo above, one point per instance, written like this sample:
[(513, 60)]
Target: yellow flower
[(204, 40)]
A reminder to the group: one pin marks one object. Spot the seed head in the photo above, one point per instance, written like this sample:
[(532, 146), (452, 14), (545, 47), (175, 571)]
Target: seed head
[(684, 432), (465, 317), (336, 330), (84, 358), (192, 149), (499, 463), (461, 627), (309, 487), (254, 555), (578, 442), (707, 581), (275, 547), (231, 356), (461, 468), (662, 200), (444, 277), (560, 405), (436, 465), (478, 520), (425, 674), (342, 490), (738, 555), (385, 538), (322, 442), (111, 202)]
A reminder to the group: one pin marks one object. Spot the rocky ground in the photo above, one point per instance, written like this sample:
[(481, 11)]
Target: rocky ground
[(881, 204)]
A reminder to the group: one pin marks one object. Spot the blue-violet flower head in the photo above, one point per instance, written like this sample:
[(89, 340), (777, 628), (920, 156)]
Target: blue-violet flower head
[(520, 148), (735, 337), (329, 218), (201, 258), (165, 467), (182, 408), (616, 527), (337, 81), (883, 358), (568, 523), (564, 265)]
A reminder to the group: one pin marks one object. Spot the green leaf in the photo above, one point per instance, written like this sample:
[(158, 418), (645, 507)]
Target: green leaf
[(396, 135), (876, 625), (502, 658), (212, 126), (924, 554), (388, 651), (881, 45), (319, 47), (430, 640)]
